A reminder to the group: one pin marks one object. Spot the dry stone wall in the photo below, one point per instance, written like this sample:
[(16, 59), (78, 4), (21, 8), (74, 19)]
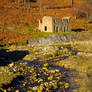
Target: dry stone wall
[(50, 40)]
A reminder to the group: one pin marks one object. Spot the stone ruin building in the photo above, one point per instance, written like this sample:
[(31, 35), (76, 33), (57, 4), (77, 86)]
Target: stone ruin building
[(50, 24)]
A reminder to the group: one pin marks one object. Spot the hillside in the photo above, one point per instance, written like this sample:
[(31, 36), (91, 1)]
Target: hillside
[(13, 14), (16, 15)]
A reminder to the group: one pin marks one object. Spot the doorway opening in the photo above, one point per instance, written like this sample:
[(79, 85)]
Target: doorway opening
[(45, 28), (64, 29)]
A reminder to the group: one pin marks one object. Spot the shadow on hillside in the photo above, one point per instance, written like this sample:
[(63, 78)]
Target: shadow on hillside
[(8, 57), (78, 30)]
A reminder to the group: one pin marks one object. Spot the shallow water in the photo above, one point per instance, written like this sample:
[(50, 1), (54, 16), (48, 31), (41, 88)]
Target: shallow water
[(70, 77), (70, 74), (78, 81)]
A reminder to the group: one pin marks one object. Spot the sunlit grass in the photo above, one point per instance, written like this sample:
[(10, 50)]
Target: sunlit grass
[(5, 76), (81, 62)]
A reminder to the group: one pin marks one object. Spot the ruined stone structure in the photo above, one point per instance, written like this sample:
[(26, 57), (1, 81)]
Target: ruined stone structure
[(50, 24)]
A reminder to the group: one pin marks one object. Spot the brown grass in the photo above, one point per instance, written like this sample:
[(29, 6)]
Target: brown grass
[(15, 17)]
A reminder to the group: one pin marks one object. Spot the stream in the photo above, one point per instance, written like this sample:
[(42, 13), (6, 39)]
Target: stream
[(77, 80), (70, 77), (80, 81)]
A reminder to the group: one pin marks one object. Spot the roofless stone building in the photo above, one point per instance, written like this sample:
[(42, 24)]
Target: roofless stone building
[(50, 24)]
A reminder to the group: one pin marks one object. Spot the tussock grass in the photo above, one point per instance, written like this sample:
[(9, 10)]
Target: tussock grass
[(5, 76), (79, 63)]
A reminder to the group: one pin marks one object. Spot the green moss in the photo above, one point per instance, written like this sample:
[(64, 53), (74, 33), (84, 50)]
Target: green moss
[(43, 34), (31, 28)]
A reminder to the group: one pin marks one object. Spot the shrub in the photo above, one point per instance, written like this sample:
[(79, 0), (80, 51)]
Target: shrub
[(48, 55), (56, 53), (31, 28)]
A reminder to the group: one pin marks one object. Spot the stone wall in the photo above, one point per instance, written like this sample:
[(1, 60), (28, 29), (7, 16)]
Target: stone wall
[(62, 25), (50, 24), (46, 24), (62, 38), (50, 40)]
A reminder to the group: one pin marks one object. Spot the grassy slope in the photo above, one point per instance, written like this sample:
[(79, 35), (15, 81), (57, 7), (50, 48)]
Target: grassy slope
[(82, 62), (6, 76), (79, 63)]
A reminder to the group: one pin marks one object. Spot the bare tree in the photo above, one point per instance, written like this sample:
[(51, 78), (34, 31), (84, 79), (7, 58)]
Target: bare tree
[(40, 5), (72, 3), (24, 3), (82, 10)]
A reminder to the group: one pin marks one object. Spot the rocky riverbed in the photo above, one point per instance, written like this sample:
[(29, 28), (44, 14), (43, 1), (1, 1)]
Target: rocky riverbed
[(37, 74), (40, 69), (36, 78)]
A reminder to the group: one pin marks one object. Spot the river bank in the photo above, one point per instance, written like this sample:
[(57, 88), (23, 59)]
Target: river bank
[(60, 67), (48, 78)]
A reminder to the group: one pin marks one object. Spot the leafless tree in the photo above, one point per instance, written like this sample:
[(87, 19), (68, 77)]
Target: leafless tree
[(82, 10), (72, 3), (40, 5), (25, 4)]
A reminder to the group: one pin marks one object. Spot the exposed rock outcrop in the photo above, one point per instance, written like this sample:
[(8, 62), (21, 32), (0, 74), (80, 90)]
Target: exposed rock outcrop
[(50, 40)]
